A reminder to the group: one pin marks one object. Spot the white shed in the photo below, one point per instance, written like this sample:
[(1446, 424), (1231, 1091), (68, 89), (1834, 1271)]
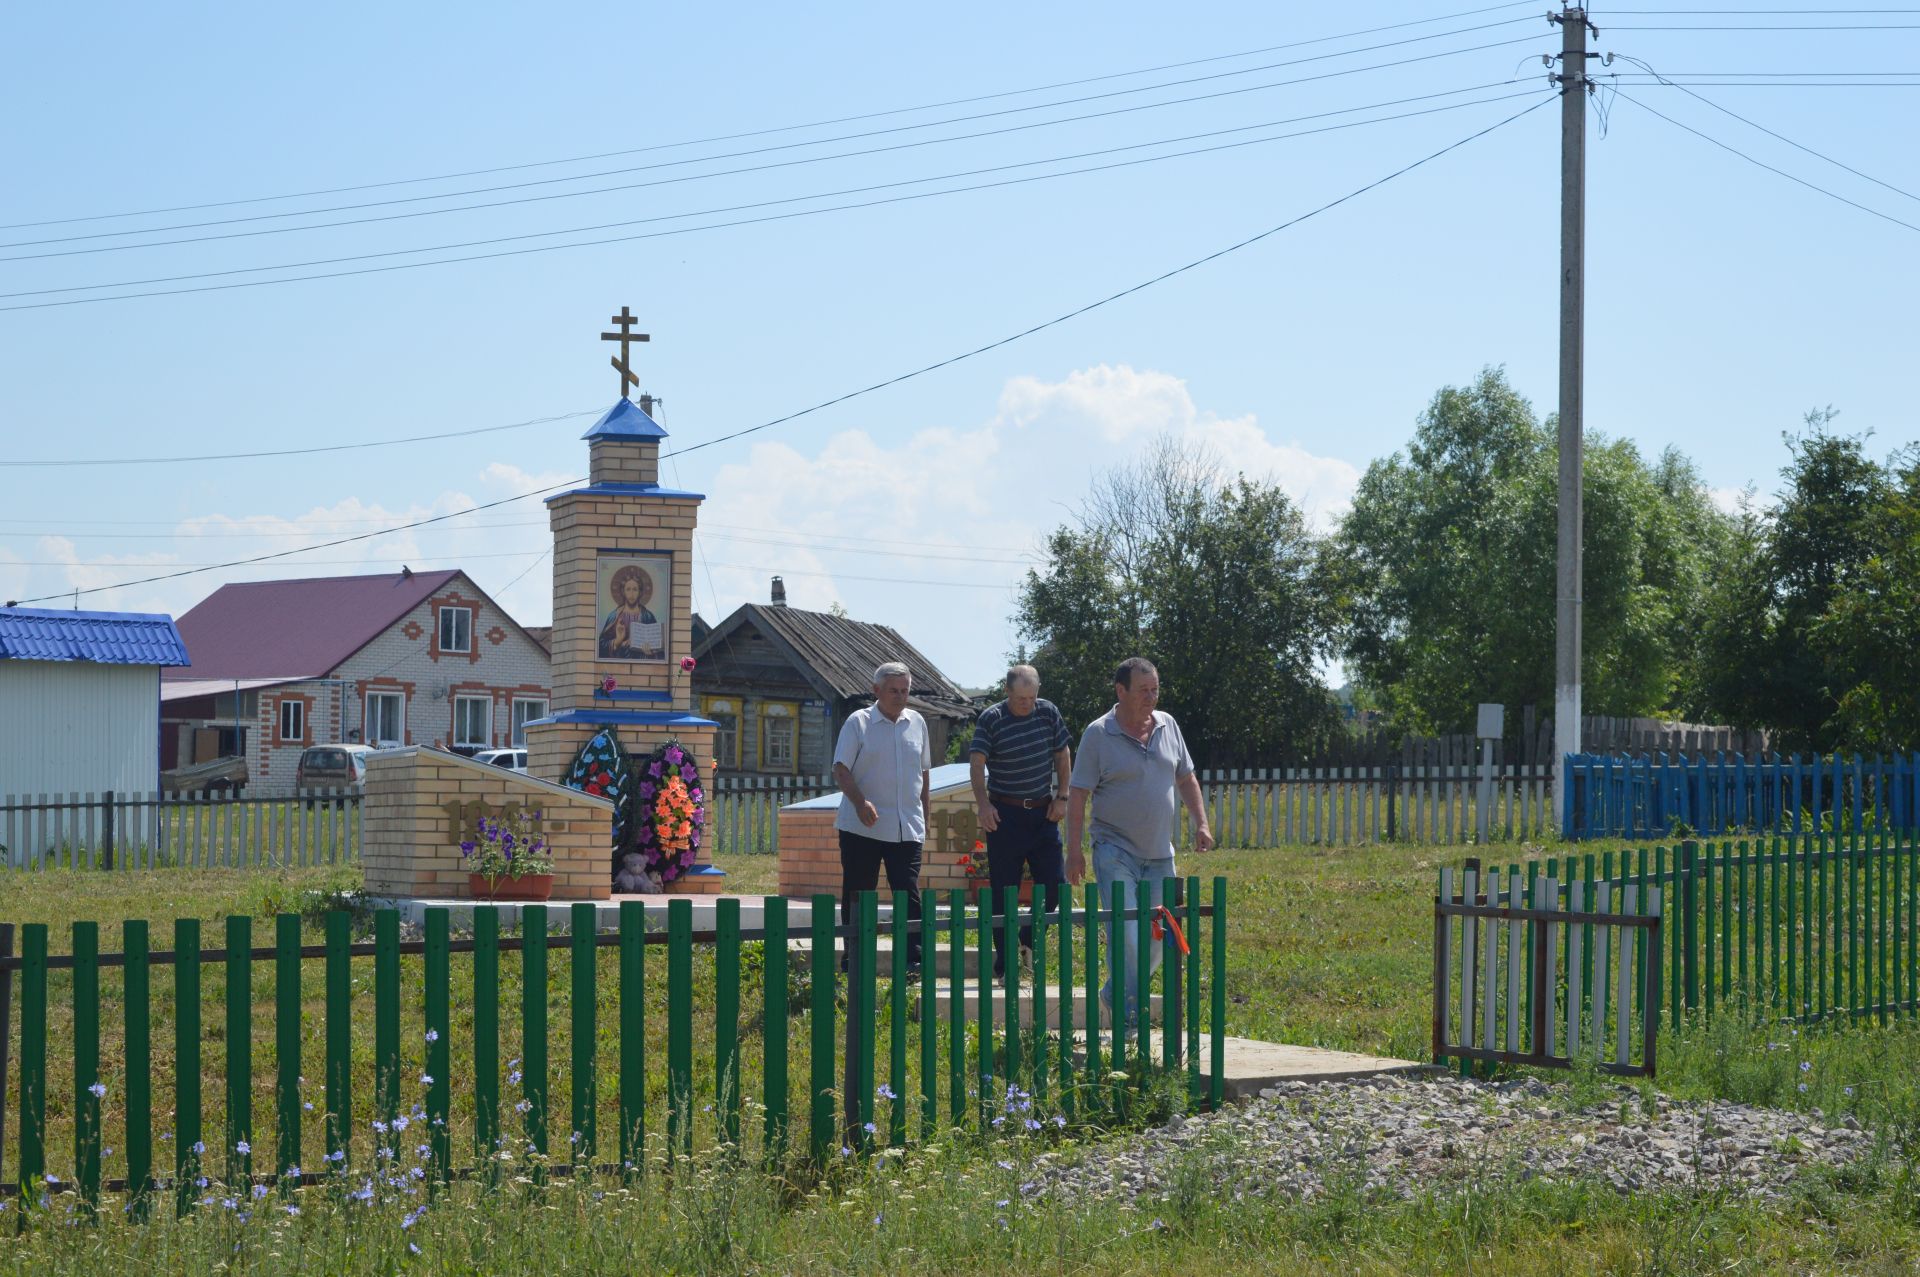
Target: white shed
[(80, 700)]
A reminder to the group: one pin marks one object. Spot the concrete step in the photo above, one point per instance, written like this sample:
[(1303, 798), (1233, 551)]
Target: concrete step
[(943, 994)]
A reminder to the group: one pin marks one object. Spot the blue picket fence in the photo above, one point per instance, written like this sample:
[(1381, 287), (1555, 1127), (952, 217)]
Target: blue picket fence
[(1652, 795)]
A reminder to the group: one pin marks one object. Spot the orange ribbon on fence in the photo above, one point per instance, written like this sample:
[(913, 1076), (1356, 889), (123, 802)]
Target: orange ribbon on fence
[(1163, 921)]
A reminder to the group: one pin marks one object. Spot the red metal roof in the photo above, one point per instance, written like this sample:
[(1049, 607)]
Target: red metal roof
[(300, 628)]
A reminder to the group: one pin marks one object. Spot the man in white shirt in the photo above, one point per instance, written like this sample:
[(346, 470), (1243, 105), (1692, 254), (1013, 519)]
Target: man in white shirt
[(881, 764)]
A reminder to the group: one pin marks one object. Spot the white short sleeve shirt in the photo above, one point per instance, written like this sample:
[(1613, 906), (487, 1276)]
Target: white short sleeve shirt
[(887, 758)]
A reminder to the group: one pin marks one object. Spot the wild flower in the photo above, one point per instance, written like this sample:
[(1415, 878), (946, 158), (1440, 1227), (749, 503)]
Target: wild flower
[(199, 1147), (412, 1248), (426, 1079), (885, 1092), (243, 1148), (261, 1190), (433, 1035), (400, 1122), (513, 1078), (99, 1090), (1806, 1066), (871, 1129)]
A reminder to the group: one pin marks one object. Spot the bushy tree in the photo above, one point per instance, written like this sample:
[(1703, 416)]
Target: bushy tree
[(1810, 621), (1216, 579), (1446, 565)]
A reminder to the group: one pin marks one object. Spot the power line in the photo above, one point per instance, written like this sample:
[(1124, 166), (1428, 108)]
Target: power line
[(1780, 137), (1178, 270), (733, 172), (785, 128), (281, 554), (298, 452), (746, 221), (1875, 26), (790, 199), (1779, 172), (818, 195), (786, 536), (879, 385)]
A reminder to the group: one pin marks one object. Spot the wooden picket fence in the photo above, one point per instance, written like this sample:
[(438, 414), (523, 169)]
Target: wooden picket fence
[(146, 831), (1356, 806), (1809, 928), (971, 1065), (1532, 981), (743, 812)]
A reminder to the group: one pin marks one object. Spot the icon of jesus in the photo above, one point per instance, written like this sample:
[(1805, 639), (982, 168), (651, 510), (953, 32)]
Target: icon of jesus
[(630, 632)]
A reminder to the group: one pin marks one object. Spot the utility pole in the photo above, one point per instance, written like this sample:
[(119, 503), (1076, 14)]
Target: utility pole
[(1573, 252)]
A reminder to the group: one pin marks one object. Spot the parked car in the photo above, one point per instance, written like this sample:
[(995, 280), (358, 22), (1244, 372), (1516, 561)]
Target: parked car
[(514, 760), (332, 766)]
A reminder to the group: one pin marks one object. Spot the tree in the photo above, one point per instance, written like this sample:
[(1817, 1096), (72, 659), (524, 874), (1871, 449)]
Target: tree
[(1217, 580), (1446, 566), (1870, 627), (1791, 641)]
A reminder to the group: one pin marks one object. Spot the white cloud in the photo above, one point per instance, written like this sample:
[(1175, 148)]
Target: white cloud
[(966, 503)]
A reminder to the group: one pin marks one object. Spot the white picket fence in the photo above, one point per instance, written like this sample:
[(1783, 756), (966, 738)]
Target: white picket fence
[(143, 831), (743, 812), (1357, 806)]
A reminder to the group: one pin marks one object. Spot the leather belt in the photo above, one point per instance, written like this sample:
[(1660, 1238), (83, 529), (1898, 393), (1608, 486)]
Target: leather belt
[(1026, 804)]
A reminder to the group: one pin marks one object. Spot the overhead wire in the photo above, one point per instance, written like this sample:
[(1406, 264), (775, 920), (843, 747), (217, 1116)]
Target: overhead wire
[(785, 128), (700, 177), (813, 195), (746, 221), (1066, 317), (1777, 136), (1779, 172)]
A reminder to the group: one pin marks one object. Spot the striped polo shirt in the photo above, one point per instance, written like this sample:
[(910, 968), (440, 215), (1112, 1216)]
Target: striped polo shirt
[(1020, 750)]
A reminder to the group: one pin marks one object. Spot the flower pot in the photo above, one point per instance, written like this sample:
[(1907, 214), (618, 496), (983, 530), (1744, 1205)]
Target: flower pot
[(525, 887)]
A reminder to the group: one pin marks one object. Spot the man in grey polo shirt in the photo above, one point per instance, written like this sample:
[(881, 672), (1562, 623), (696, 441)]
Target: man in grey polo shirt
[(881, 764), (1132, 762)]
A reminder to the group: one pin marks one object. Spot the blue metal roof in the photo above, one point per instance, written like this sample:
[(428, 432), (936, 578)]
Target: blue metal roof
[(625, 421), (104, 638), (626, 490)]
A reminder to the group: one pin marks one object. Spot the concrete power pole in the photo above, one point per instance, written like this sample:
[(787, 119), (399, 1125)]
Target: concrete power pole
[(1573, 250)]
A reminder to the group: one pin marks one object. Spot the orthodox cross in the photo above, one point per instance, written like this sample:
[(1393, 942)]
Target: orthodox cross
[(626, 336)]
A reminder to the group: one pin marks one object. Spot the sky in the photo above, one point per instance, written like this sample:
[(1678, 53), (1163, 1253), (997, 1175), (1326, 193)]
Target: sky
[(1724, 300)]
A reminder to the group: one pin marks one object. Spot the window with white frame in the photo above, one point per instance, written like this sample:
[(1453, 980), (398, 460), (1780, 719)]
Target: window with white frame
[(293, 720), (525, 710), (473, 721), (386, 718), (456, 629), (779, 734)]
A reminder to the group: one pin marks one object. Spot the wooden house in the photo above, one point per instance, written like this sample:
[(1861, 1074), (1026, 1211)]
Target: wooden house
[(780, 681)]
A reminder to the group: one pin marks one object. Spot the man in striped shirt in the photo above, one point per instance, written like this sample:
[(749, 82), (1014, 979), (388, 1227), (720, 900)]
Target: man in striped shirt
[(1020, 761)]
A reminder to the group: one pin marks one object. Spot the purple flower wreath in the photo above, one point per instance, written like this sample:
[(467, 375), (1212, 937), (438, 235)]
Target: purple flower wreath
[(671, 810)]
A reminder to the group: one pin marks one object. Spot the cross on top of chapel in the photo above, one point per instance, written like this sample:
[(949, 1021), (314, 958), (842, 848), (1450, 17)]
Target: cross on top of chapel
[(626, 337)]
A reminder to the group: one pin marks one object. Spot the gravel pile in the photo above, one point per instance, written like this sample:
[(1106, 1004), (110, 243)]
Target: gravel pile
[(1402, 1134)]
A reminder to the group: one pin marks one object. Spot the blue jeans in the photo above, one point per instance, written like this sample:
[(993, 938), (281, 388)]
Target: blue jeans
[(1113, 864)]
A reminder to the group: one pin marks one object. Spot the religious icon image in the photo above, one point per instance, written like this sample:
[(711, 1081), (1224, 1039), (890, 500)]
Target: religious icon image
[(637, 592)]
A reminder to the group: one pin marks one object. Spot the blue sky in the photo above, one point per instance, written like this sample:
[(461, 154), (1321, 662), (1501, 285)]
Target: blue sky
[(1723, 301)]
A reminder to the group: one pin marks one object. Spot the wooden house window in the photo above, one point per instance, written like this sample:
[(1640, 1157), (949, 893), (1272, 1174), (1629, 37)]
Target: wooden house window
[(779, 735), (456, 629), (293, 720), (725, 711)]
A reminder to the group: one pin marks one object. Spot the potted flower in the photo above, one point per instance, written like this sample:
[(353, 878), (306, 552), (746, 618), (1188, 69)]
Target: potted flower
[(508, 861), (979, 878)]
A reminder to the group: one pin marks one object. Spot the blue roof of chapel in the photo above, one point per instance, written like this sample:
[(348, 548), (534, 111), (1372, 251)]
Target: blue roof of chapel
[(103, 638), (625, 421)]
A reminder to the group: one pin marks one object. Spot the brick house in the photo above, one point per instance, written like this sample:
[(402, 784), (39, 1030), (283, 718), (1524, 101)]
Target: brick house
[(407, 658)]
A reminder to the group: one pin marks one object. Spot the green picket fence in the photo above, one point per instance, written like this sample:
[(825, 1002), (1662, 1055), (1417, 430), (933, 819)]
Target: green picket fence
[(1809, 927), (940, 1039)]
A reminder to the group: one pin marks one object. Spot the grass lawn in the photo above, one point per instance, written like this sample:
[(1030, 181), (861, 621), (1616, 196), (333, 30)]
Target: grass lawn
[(1329, 946)]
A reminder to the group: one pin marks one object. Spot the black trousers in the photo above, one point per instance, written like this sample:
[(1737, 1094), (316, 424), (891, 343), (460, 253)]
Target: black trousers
[(860, 860), (1026, 843)]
